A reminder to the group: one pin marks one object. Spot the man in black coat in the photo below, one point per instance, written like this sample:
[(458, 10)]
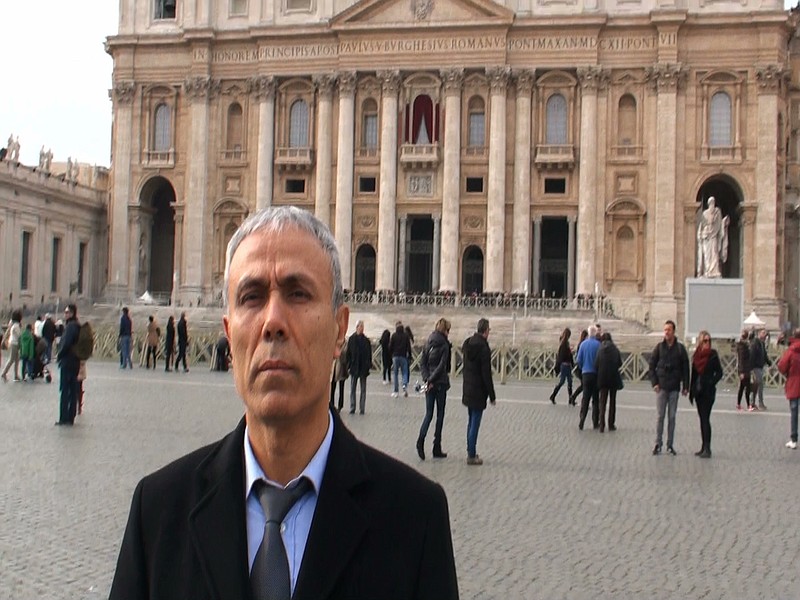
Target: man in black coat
[(69, 365), (359, 362), (183, 343), (669, 375), (478, 385), (368, 526)]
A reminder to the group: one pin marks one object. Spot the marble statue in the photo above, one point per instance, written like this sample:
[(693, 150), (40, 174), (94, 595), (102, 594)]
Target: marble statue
[(712, 241)]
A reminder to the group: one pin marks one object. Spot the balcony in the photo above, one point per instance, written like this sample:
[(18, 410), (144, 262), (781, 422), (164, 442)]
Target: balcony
[(294, 159), (419, 155), (235, 156), (721, 154), (158, 159), (627, 153), (555, 156), (475, 154), (368, 155)]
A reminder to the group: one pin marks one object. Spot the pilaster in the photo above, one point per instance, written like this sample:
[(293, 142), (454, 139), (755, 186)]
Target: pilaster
[(520, 251), (387, 195), (495, 210), (263, 89), (453, 80), (322, 196), (344, 174)]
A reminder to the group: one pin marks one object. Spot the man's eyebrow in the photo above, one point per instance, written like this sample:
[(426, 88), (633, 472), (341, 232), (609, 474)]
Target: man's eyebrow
[(289, 279)]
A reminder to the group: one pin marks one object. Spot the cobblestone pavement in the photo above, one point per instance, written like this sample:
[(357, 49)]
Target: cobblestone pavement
[(553, 512)]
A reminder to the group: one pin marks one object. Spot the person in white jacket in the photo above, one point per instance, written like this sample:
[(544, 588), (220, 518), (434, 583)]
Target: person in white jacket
[(12, 337)]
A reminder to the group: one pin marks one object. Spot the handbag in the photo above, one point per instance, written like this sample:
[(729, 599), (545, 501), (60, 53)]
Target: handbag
[(620, 383)]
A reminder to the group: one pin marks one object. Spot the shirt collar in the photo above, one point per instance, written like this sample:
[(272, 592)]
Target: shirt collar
[(314, 470)]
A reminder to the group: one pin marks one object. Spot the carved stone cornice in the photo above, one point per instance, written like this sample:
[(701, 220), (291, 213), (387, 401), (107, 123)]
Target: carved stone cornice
[(347, 83), (498, 78), (324, 84), (262, 87), (666, 77), (123, 92), (452, 79), (770, 78), (390, 81), (524, 80), (593, 78), (201, 88)]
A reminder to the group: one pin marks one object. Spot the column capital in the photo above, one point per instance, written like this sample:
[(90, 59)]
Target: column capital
[(666, 77), (262, 86), (201, 88), (523, 80), (122, 92), (770, 78), (498, 78), (390, 81), (593, 77), (324, 84), (453, 79), (347, 83)]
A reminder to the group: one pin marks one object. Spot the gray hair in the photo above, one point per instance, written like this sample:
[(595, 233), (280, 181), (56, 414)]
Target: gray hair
[(592, 331), (275, 219)]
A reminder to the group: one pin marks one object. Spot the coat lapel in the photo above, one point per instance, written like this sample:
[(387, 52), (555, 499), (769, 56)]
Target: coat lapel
[(218, 523), (339, 522)]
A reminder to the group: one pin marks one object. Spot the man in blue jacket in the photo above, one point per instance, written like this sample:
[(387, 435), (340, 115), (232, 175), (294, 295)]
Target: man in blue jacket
[(585, 359)]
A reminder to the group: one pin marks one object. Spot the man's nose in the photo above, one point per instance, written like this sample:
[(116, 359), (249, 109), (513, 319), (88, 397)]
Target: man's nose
[(274, 314)]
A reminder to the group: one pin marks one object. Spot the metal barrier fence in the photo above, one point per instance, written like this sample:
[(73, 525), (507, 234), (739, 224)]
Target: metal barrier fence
[(520, 363)]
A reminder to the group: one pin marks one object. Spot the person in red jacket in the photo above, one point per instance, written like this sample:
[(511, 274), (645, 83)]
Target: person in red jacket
[(789, 365)]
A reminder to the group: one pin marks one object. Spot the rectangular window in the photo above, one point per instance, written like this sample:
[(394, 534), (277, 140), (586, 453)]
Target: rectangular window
[(295, 186), (555, 186), (371, 131), (81, 264), (304, 5), (55, 266), (25, 262), (475, 185), (238, 7), (477, 129), (367, 185), (164, 9)]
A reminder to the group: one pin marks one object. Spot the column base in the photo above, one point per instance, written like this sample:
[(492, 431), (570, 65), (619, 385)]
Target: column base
[(770, 310)]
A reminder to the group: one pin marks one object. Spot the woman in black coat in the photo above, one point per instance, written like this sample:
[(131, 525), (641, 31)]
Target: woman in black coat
[(169, 342), (435, 367), (564, 365), (607, 363), (706, 373), (386, 357)]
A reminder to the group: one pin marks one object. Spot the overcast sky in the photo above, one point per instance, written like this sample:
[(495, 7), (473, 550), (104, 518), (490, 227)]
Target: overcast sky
[(56, 76)]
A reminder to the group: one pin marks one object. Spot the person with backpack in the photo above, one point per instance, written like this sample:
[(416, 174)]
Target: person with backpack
[(69, 365)]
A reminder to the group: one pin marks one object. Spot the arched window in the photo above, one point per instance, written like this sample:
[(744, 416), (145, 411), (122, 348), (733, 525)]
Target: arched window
[(365, 269), (422, 127), (719, 122), (369, 129), (625, 253), (298, 125), (161, 132), (556, 111), (626, 125), (476, 136), (234, 135), (472, 271)]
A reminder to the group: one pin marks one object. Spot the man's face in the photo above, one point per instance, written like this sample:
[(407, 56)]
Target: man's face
[(360, 328), (669, 333), (762, 334), (282, 330)]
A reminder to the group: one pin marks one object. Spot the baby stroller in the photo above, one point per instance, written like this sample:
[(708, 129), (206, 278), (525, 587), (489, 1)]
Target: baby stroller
[(40, 361)]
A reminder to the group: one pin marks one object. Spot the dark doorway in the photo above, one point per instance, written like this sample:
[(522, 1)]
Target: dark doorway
[(420, 255), (159, 195), (553, 265), (365, 269), (472, 271), (728, 197)]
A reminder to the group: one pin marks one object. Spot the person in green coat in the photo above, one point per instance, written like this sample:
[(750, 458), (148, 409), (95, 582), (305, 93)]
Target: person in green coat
[(27, 352)]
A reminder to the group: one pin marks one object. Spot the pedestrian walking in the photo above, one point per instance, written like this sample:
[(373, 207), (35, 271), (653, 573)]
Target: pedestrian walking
[(564, 365), (400, 347), (789, 365), (183, 343), (435, 367), (169, 343), (69, 365), (706, 374), (608, 363), (359, 363), (11, 342), (477, 385), (669, 375), (386, 357), (49, 336), (579, 390), (125, 339), (153, 334), (586, 355), (339, 375), (744, 368), (759, 359)]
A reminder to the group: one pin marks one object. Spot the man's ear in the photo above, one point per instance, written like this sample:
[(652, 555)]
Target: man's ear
[(342, 321)]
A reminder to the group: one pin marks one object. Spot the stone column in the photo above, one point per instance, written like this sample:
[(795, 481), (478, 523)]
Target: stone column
[(496, 201), (177, 278), (451, 189), (536, 285), (198, 90), (401, 263), (122, 96), (590, 78), (263, 88), (322, 195), (437, 252), (665, 78), (520, 250), (344, 174), (770, 80), (387, 198), (571, 257)]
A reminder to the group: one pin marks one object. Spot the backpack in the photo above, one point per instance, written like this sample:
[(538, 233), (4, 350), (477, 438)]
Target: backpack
[(84, 345)]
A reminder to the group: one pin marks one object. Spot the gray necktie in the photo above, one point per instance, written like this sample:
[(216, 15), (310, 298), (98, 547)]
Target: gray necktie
[(269, 577)]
